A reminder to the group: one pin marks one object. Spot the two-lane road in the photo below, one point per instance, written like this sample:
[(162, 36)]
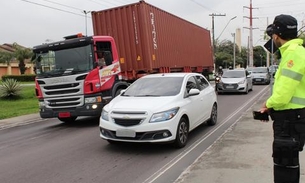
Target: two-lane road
[(49, 151)]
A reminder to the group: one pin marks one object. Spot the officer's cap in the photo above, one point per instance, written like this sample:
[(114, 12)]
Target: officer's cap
[(284, 26)]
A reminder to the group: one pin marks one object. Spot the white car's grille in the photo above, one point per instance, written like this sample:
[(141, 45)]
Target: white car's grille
[(128, 118)]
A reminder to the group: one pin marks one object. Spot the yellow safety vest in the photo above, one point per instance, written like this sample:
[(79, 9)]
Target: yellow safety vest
[(289, 83)]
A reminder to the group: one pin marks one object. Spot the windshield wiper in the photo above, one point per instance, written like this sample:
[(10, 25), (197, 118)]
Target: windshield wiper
[(147, 95)]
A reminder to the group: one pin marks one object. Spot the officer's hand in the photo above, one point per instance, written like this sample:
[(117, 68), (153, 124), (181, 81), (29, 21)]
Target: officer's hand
[(264, 109)]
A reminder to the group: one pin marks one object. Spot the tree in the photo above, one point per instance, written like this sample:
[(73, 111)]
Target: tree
[(6, 57), (21, 54), (224, 55), (259, 56)]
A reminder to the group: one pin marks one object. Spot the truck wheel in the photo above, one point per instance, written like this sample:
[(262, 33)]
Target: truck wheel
[(67, 120), (117, 92), (182, 133)]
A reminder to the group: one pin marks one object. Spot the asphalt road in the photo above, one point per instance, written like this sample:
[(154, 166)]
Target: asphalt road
[(50, 151)]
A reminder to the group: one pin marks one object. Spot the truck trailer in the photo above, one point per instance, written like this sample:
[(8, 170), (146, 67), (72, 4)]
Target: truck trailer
[(80, 74)]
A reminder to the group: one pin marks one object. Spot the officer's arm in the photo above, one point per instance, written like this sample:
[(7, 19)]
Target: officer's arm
[(288, 79)]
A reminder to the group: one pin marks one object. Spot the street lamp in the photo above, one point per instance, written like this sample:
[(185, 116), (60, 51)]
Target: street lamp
[(225, 27), (86, 12)]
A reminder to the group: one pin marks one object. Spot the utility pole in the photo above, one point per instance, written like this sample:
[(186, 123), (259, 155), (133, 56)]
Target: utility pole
[(213, 34), (251, 34), (213, 28)]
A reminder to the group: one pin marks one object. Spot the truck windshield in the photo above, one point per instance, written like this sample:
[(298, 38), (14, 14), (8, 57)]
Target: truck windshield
[(64, 62)]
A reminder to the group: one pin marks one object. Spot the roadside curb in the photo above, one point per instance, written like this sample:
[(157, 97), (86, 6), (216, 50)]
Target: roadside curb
[(20, 120)]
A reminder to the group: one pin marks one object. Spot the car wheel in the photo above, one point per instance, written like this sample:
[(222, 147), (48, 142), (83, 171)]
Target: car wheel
[(247, 90), (182, 133), (67, 120), (213, 118)]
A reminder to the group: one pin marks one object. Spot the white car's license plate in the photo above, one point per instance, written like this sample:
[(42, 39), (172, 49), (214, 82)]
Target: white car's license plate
[(258, 79), (230, 87), (125, 133)]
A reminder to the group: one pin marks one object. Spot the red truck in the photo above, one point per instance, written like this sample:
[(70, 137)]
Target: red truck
[(80, 74)]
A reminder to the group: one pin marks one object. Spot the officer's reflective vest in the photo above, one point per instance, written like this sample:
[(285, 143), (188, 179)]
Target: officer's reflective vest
[(289, 83)]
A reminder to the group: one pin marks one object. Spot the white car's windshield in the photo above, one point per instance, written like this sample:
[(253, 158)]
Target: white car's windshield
[(147, 87)]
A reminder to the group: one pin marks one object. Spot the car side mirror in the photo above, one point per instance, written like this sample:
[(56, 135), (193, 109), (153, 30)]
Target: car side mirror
[(193, 91)]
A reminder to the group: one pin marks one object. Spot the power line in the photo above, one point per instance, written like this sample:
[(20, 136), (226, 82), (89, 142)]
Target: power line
[(62, 5), (205, 7), (53, 8)]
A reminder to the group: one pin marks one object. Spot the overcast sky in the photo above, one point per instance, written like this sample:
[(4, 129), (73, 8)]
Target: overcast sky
[(33, 22)]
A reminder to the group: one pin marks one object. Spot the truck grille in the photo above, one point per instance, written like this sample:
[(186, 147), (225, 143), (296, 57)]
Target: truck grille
[(63, 95), (61, 89)]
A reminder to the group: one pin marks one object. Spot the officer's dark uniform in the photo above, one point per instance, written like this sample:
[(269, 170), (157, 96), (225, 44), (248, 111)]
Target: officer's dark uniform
[(287, 102)]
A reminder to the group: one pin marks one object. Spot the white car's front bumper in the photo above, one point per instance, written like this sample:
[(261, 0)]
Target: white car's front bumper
[(143, 132)]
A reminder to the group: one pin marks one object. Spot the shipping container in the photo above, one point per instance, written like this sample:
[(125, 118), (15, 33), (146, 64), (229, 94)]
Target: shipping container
[(151, 40)]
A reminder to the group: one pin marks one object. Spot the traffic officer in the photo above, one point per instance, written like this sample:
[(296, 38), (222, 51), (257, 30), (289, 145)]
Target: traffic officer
[(286, 105)]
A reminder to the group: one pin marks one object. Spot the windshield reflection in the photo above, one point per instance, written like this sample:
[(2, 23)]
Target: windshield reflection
[(64, 62), (155, 87)]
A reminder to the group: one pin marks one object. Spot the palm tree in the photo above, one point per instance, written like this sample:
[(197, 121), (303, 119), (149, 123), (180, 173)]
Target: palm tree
[(21, 54)]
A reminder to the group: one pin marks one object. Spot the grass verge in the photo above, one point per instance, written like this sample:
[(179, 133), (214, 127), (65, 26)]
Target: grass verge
[(27, 103)]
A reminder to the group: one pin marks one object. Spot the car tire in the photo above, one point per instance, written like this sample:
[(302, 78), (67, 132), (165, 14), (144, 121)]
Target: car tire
[(247, 90), (213, 117), (67, 120), (182, 133)]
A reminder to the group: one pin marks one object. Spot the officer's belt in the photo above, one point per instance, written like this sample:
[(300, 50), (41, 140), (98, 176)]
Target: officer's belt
[(290, 114)]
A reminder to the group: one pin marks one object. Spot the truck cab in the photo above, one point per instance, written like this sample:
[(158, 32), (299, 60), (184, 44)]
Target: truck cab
[(70, 79)]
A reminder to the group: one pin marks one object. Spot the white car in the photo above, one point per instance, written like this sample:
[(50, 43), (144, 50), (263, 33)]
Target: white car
[(237, 80), (160, 108)]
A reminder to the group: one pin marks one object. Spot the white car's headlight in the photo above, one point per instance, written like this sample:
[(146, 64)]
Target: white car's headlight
[(242, 82), (105, 115), (93, 99), (164, 116)]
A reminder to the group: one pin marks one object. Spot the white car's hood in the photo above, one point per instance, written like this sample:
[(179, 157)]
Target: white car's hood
[(232, 80), (121, 103)]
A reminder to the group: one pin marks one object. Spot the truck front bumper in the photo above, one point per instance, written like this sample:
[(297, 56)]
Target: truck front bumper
[(92, 109)]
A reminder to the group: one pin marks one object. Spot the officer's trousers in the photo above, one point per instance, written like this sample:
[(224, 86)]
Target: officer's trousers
[(289, 136)]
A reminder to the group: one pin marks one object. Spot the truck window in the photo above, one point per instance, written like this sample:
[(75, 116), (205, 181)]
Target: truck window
[(104, 47)]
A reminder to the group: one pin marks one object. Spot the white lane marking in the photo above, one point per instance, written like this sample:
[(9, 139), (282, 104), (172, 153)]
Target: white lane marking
[(174, 161)]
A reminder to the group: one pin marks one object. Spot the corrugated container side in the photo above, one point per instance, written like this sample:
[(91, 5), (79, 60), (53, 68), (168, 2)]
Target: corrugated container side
[(149, 38)]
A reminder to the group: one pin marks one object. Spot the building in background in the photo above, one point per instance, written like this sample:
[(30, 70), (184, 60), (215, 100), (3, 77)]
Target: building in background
[(12, 67)]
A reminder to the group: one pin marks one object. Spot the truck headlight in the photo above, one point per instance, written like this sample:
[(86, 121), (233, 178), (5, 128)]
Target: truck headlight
[(41, 104), (164, 116), (93, 99), (105, 115)]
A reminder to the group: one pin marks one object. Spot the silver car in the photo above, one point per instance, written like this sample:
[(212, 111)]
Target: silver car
[(237, 80), (260, 75)]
